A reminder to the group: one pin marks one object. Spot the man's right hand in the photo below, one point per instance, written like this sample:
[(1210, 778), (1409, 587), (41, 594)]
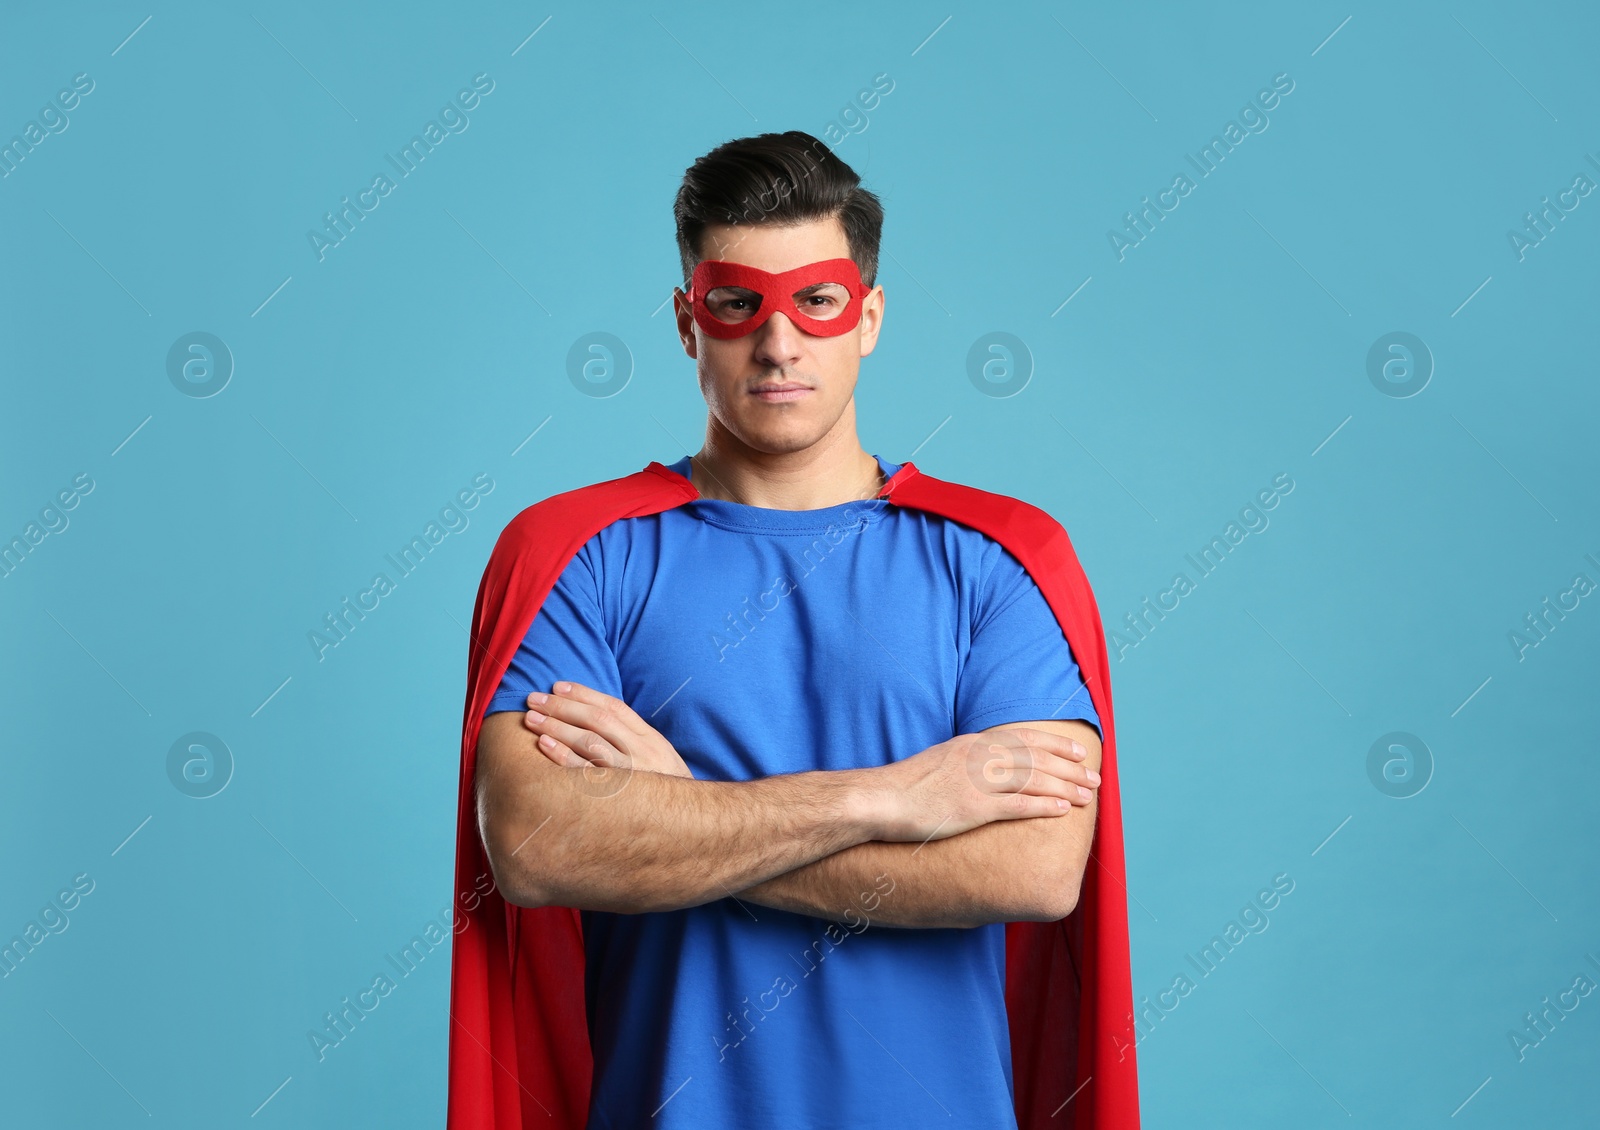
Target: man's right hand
[(975, 779)]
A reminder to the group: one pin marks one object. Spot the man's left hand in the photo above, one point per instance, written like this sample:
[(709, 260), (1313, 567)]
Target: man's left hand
[(580, 726)]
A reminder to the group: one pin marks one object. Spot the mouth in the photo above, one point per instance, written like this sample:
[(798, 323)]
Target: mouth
[(780, 391)]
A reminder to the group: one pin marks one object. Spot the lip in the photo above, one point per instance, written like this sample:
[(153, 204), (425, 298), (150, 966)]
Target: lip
[(778, 393)]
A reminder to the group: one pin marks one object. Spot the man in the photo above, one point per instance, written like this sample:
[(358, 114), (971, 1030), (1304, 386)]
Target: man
[(776, 759)]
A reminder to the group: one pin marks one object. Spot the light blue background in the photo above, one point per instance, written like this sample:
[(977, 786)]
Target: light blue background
[(375, 384)]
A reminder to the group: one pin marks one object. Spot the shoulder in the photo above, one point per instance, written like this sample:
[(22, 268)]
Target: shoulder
[(557, 510), (1027, 533), (570, 518), (1011, 521)]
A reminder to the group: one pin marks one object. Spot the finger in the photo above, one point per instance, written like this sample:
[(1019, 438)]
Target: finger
[(1073, 771), (1054, 788), (1016, 773), (1012, 763), (1055, 745), (1066, 763), (621, 711), (1036, 763), (587, 744), (1049, 741), (1066, 780), (559, 752), (1021, 806), (609, 717)]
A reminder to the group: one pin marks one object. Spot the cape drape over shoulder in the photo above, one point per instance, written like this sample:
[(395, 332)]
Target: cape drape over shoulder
[(519, 1040)]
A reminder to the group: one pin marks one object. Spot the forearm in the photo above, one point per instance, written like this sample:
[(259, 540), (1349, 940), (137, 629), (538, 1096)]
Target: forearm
[(632, 841), (1001, 872), (667, 841)]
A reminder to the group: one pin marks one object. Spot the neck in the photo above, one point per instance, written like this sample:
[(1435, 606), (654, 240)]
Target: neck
[(833, 471)]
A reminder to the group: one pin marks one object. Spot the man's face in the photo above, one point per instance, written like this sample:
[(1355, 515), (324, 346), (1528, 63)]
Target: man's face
[(818, 372)]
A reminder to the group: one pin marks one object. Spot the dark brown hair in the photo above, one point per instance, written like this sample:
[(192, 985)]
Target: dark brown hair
[(776, 178)]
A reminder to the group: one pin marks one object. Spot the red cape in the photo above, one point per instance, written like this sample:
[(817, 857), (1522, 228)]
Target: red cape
[(519, 1040)]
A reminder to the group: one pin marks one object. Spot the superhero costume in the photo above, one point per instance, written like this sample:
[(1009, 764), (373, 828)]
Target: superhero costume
[(519, 1049)]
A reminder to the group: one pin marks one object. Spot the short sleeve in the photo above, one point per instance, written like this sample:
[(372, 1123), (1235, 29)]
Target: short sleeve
[(1020, 667), (567, 640)]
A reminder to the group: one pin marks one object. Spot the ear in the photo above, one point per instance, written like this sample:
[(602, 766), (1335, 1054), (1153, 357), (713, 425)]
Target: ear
[(871, 319), (684, 315)]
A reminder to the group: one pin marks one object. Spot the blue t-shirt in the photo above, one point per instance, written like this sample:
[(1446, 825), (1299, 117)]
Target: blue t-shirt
[(763, 641)]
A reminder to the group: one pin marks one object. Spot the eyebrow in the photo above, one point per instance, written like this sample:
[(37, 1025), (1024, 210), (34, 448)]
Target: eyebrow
[(803, 290)]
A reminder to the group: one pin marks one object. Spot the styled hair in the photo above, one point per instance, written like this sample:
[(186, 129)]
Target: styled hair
[(776, 178)]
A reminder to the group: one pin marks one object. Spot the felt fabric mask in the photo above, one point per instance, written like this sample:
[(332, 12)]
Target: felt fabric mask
[(822, 298)]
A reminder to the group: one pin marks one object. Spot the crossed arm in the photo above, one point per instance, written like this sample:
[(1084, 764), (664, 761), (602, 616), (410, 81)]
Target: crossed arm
[(943, 838), (1010, 870)]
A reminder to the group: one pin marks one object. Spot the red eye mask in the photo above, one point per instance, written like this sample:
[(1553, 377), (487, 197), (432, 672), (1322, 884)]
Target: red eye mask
[(775, 293)]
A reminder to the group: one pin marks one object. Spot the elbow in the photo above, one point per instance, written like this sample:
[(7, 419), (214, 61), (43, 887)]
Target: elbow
[(1053, 898), (516, 866), (517, 886), (1054, 908), (531, 871), (1066, 902), (519, 891)]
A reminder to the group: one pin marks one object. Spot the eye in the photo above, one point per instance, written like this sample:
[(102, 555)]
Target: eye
[(732, 304), (827, 300)]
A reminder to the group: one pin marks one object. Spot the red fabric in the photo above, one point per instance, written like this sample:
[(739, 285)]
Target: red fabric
[(777, 293), (519, 1041)]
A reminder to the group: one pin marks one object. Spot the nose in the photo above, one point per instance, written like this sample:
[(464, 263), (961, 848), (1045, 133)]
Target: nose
[(779, 342)]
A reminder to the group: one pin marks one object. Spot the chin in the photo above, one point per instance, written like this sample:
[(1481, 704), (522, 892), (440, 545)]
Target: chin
[(781, 437), (784, 443)]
